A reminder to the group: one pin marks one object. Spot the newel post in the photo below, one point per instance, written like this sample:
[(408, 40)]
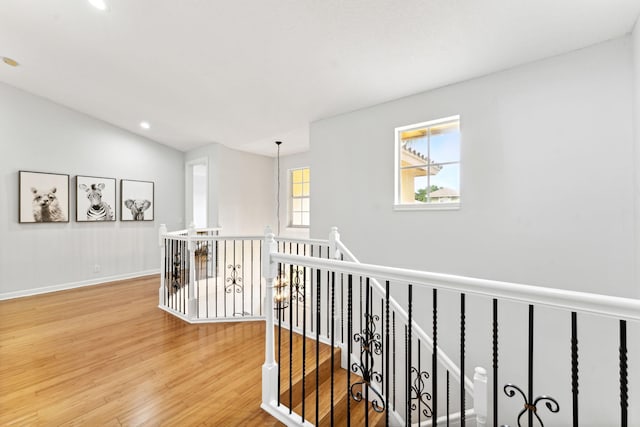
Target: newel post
[(334, 240), (191, 246), (270, 367), (163, 268), (480, 396)]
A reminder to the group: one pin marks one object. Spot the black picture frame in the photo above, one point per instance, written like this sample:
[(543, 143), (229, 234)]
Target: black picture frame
[(43, 197), (95, 199), (137, 200)]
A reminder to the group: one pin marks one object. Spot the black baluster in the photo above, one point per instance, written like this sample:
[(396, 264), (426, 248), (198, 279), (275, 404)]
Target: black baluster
[(448, 398), (624, 390), (366, 359), (386, 352), (318, 280), (304, 341), (418, 393), (462, 340), (333, 286), (297, 285), (574, 366), (342, 303), (495, 362), (290, 336), (530, 413), (361, 310), (279, 305), (408, 346), (393, 333), (311, 289), (329, 318), (434, 360), (349, 341)]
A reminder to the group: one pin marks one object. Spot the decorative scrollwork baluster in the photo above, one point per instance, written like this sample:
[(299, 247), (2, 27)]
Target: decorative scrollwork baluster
[(175, 276), (370, 345), (532, 407), (234, 280), (419, 393)]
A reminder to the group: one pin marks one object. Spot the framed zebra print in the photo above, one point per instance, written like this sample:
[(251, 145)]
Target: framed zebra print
[(136, 200), (95, 199)]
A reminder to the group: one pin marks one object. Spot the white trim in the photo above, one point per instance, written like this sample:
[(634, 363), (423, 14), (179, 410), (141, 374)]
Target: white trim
[(281, 413), (427, 207), (290, 197), (193, 321), (73, 285), (397, 206), (428, 123)]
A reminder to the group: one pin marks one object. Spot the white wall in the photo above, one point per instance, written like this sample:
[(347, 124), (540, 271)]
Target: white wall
[(241, 193), (547, 176), (38, 135), (287, 163), (548, 173)]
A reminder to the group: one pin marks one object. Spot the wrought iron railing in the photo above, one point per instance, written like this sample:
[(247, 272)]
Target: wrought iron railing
[(395, 376), (206, 277), (344, 345)]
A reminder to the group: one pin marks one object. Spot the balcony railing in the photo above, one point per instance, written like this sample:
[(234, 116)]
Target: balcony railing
[(344, 342)]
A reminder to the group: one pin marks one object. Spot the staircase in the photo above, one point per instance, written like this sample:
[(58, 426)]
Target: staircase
[(374, 312), (318, 366)]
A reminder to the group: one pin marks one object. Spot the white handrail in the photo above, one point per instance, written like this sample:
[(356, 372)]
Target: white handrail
[(183, 236), (604, 305)]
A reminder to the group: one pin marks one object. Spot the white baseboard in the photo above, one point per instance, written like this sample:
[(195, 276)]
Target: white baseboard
[(65, 286)]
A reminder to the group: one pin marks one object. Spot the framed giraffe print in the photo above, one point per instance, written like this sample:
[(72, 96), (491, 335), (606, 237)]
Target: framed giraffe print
[(136, 200), (95, 199), (44, 197)]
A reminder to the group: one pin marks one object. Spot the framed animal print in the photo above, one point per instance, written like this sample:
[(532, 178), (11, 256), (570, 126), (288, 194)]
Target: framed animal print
[(43, 197), (136, 200), (95, 199)]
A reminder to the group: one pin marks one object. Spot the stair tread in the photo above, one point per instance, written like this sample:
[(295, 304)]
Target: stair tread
[(357, 414)]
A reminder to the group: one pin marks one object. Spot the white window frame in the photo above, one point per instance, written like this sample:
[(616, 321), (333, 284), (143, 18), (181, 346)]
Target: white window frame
[(291, 197), (397, 204)]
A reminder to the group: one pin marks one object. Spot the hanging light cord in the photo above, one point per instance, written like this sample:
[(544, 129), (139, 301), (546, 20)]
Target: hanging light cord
[(278, 199)]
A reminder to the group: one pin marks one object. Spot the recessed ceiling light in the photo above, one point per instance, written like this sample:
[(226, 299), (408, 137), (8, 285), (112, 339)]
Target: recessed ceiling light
[(99, 4), (145, 125), (9, 61)]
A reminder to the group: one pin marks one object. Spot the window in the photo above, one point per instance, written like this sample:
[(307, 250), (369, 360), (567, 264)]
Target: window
[(299, 201), (428, 165)]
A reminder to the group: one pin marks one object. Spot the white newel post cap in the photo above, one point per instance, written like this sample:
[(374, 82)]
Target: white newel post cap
[(161, 232)]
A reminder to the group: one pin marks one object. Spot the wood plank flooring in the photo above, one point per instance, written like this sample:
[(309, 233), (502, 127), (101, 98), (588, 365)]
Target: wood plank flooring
[(106, 355)]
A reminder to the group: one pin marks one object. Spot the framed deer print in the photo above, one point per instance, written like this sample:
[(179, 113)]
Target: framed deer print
[(43, 197), (136, 200), (95, 199)]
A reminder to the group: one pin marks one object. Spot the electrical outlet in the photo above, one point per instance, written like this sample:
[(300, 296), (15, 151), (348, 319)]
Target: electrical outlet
[(96, 268)]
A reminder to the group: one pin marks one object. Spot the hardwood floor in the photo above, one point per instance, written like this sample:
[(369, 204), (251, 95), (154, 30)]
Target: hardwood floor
[(106, 355)]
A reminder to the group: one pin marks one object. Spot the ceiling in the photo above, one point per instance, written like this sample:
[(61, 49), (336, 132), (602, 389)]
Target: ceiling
[(245, 73)]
